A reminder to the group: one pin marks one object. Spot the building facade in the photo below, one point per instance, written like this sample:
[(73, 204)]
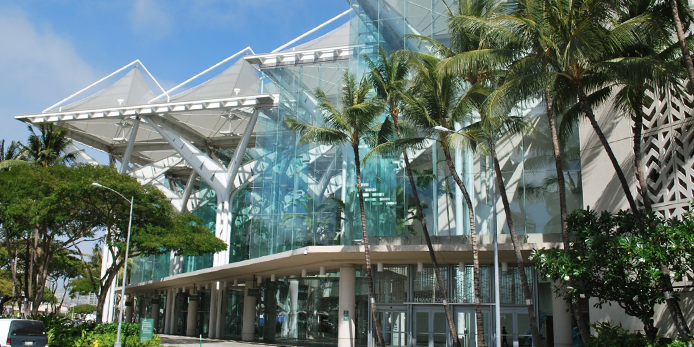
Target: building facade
[(294, 270)]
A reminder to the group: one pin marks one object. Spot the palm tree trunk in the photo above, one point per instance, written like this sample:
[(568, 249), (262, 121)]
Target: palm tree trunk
[(681, 37), (574, 307), (638, 162), (473, 240), (425, 231), (537, 338), (588, 111), (365, 241), (666, 285), (673, 306)]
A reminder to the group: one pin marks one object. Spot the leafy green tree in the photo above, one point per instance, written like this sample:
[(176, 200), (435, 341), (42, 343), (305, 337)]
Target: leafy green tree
[(347, 124), (607, 262), (55, 208), (83, 309), (63, 268)]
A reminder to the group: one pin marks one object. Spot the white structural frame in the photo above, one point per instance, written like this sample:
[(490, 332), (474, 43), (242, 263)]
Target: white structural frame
[(134, 62), (168, 92)]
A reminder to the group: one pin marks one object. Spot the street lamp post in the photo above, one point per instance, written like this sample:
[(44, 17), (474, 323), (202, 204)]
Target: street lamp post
[(125, 269)]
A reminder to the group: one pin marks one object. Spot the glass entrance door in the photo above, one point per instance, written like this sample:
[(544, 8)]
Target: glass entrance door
[(430, 328), (466, 326), (515, 327), (394, 325)]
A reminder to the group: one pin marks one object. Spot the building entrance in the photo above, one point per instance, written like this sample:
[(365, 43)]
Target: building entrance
[(430, 327), (515, 327)]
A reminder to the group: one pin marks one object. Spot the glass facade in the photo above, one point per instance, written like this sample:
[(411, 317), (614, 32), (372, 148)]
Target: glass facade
[(305, 195)]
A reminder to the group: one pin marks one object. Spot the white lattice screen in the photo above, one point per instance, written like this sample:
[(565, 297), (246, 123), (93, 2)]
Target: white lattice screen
[(668, 153)]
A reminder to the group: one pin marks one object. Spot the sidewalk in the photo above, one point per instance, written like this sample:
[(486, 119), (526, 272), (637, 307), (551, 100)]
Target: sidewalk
[(184, 341)]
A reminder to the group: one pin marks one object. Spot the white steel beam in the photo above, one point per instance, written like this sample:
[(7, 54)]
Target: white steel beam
[(89, 86), (311, 31), (168, 92), (235, 162), (254, 101), (214, 174), (129, 149), (148, 173), (188, 190)]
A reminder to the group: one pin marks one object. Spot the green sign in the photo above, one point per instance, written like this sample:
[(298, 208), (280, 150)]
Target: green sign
[(254, 292), (146, 329)]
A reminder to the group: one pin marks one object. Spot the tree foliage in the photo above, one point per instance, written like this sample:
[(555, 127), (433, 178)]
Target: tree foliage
[(611, 260)]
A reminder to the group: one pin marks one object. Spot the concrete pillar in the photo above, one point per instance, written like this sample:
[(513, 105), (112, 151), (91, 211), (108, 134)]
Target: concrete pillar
[(192, 319), (561, 319), (347, 306), (248, 330), (129, 308), (156, 302), (169, 310), (212, 325), (222, 310)]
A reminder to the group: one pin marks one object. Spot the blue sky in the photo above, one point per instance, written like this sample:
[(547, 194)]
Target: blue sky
[(50, 49)]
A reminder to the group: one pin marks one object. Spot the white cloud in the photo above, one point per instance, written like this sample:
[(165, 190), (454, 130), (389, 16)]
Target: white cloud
[(149, 18), (37, 68)]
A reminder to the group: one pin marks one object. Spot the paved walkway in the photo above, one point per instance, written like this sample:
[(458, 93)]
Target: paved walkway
[(183, 341)]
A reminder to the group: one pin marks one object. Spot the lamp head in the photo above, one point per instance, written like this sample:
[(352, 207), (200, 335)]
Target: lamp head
[(95, 184)]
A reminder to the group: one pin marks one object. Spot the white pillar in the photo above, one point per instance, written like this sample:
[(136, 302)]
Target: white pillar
[(221, 310), (223, 230), (248, 330), (561, 318), (212, 326), (129, 307), (192, 319), (168, 311), (346, 333)]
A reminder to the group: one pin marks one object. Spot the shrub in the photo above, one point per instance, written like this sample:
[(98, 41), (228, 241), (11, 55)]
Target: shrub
[(610, 335)]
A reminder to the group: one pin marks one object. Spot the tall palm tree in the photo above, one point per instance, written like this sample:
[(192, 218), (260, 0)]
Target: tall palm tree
[(682, 38), (438, 100), (487, 131), (532, 75), (580, 32), (49, 147), (388, 76), (348, 124), (649, 64)]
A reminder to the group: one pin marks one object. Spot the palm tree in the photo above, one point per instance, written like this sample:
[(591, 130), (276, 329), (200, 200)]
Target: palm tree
[(490, 128), (438, 100), (12, 155), (532, 75), (646, 65), (49, 147), (348, 125), (682, 38), (579, 31), (388, 76)]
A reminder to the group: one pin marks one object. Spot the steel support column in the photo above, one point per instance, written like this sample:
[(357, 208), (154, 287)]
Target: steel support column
[(131, 143)]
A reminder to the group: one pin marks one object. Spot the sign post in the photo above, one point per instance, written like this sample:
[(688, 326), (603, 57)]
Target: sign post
[(146, 329)]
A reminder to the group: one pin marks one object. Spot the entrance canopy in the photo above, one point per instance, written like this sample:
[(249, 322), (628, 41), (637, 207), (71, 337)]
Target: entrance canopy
[(211, 115)]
